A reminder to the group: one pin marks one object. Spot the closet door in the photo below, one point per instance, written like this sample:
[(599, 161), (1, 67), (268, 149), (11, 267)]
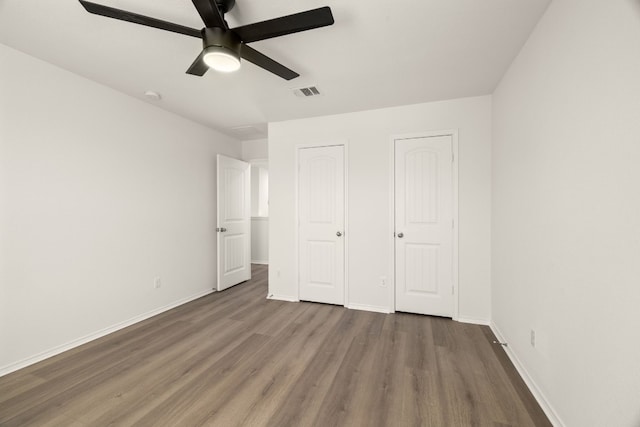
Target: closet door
[(424, 225), (321, 224)]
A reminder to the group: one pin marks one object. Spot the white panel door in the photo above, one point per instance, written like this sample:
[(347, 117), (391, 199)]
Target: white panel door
[(321, 224), (234, 221), (424, 225)]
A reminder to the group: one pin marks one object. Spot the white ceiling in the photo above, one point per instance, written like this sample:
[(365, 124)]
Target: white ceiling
[(377, 54)]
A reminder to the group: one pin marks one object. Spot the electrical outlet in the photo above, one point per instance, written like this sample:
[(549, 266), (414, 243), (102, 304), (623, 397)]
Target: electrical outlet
[(532, 337), (157, 283), (383, 281)]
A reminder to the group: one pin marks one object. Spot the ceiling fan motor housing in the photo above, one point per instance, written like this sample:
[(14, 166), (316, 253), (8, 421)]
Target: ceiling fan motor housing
[(225, 5), (218, 37)]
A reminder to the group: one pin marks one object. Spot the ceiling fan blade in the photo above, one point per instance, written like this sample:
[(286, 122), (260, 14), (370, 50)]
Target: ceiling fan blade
[(263, 61), (123, 15), (210, 14), (198, 68), (289, 24)]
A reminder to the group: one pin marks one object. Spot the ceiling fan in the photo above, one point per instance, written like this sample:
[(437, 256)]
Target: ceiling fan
[(223, 46)]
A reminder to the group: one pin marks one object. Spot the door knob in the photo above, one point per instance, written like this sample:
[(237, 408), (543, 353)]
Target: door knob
[(400, 235), (221, 229), (338, 234)]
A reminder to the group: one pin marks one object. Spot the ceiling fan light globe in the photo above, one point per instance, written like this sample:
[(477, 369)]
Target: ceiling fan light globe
[(220, 59)]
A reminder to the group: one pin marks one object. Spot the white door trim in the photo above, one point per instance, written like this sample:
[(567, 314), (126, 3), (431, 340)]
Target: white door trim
[(298, 147), (453, 133)]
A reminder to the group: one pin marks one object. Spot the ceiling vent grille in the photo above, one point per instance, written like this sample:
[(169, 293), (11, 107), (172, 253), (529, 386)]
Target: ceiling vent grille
[(306, 92)]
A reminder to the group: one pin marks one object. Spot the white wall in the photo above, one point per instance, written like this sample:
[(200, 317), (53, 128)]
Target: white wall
[(259, 189), (566, 210), (254, 150), (99, 194), (263, 190), (368, 135), (260, 240)]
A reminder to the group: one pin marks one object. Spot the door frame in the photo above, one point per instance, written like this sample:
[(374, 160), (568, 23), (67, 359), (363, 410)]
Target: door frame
[(298, 147), (453, 133)]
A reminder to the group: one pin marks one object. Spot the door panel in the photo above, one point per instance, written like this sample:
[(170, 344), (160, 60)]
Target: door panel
[(234, 185), (234, 260), (233, 224), (424, 225), (421, 269), (321, 224), (321, 261)]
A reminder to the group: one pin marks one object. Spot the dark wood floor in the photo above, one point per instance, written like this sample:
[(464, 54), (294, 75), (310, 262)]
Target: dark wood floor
[(235, 358)]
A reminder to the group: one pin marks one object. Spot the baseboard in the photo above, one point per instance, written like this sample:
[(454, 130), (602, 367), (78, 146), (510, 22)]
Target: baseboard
[(474, 321), (283, 298), (260, 262), (4, 370), (533, 387), (365, 307)]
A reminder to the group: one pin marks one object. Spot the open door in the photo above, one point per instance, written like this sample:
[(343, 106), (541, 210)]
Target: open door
[(234, 221)]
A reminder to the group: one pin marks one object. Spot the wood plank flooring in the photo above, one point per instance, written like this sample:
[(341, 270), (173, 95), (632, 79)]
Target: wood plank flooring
[(235, 358)]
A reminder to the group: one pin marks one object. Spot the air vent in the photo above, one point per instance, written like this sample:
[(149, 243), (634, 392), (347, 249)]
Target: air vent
[(307, 91)]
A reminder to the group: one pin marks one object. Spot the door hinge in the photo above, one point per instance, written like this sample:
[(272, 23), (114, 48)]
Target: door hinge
[(452, 157), (453, 223), (452, 291)]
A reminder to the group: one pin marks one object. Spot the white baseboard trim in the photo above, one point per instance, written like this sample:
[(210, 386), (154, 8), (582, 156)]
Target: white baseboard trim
[(283, 298), (12, 367), (260, 262), (533, 387), (474, 321), (365, 307)]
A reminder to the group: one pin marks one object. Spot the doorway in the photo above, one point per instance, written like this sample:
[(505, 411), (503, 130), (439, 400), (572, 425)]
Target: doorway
[(259, 211)]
